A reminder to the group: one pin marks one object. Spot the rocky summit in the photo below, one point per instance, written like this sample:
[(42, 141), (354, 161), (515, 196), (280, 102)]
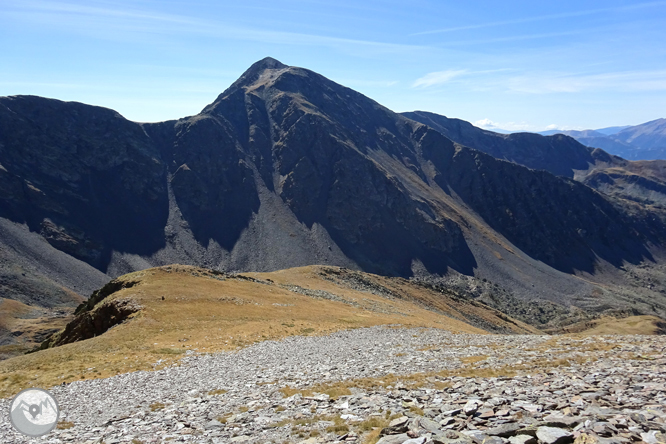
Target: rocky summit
[(287, 168)]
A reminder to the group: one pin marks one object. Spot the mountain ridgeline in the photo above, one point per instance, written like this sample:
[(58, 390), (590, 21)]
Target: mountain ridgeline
[(640, 181), (640, 142), (287, 168)]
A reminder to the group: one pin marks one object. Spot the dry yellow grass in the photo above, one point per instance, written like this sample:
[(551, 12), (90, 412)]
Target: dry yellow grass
[(430, 379), (473, 359), (32, 322), (633, 325), (187, 308)]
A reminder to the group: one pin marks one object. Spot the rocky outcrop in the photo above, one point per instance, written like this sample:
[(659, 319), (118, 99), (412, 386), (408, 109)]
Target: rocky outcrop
[(96, 315)]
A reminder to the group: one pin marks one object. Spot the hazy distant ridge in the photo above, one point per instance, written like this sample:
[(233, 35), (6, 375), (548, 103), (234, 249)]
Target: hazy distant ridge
[(641, 142)]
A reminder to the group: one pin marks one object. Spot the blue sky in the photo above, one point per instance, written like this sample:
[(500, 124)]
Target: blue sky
[(518, 65)]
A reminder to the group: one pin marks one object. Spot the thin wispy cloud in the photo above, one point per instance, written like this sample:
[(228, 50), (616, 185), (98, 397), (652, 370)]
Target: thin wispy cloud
[(542, 18), (507, 126), (492, 125), (514, 38), (438, 78), (77, 9), (101, 20), (459, 75), (627, 81)]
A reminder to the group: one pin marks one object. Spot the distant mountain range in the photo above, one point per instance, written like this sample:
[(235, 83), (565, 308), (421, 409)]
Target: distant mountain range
[(641, 142), (287, 168)]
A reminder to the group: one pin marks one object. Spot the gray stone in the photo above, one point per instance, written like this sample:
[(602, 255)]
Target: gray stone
[(419, 440), (471, 407), (427, 424), (522, 439), (446, 421), (556, 420), (214, 424), (397, 426), (394, 439), (451, 437), (504, 430), (477, 435), (553, 435), (532, 408), (654, 437)]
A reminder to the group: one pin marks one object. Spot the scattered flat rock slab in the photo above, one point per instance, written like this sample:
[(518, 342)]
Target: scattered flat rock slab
[(504, 430), (318, 397), (522, 439), (470, 407), (553, 435), (397, 426), (477, 435), (446, 421), (555, 420), (420, 440), (452, 437), (529, 430), (351, 418), (595, 410), (394, 439), (214, 424), (654, 437), (428, 425), (532, 408)]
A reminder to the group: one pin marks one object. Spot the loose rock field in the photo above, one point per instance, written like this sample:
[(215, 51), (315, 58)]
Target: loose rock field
[(395, 385)]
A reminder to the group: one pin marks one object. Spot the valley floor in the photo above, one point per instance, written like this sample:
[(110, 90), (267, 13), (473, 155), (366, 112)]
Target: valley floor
[(419, 384)]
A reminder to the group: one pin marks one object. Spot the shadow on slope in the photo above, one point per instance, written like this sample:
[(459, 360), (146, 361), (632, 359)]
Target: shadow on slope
[(86, 179), (555, 220)]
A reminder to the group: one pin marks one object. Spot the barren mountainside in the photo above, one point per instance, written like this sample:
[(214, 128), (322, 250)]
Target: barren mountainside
[(287, 168), (641, 181)]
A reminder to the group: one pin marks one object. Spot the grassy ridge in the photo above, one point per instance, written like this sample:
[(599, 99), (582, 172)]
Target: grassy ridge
[(187, 308)]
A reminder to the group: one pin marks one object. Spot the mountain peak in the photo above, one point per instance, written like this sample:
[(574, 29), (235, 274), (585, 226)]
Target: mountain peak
[(251, 76), (254, 72), (267, 63)]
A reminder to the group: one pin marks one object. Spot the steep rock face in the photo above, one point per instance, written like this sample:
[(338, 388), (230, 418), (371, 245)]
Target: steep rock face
[(558, 221), (84, 177), (641, 181), (557, 154), (309, 140)]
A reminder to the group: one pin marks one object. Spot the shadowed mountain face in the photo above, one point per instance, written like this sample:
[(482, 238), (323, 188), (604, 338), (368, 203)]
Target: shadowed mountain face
[(287, 168), (558, 154), (311, 142), (640, 181), (89, 181)]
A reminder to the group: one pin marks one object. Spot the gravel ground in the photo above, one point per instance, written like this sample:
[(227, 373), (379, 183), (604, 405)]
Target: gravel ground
[(605, 382)]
